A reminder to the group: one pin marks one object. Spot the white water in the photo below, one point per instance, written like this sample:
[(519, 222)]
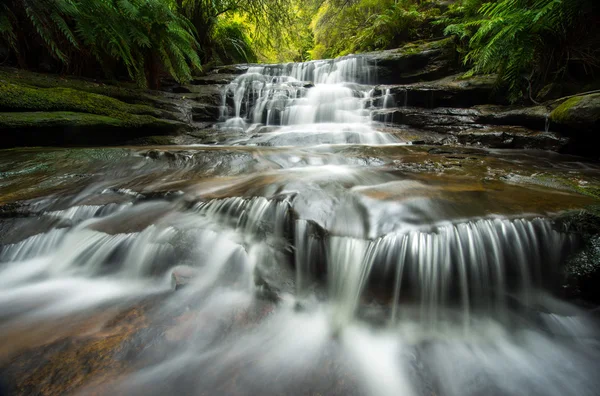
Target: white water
[(301, 282), (320, 102)]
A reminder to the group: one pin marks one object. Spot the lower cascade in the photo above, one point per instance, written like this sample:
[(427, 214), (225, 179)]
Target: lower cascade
[(314, 253)]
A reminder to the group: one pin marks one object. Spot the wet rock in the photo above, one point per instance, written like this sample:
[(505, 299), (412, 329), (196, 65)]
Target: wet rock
[(214, 78), (182, 275), (414, 62), (79, 129), (453, 91), (582, 269), (512, 137), (530, 117), (426, 118), (64, 356), (16, 209), (206, 113), (207, 94), (232, 69), (135, 219), (67, 116)]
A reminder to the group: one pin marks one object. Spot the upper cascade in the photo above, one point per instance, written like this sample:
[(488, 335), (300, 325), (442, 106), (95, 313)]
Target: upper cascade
[(317, 102)]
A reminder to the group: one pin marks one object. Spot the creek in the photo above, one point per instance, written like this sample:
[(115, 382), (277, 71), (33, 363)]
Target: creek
[(313, 253)]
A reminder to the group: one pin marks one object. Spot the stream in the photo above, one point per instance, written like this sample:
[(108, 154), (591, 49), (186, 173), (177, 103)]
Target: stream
[(316, 252)]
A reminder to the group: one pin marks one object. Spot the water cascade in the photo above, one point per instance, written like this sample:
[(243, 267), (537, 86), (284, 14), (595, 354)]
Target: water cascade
[(306, 256), (304, 103)]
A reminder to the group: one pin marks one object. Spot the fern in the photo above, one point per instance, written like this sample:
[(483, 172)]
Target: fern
[(134, 33), (511, 38)]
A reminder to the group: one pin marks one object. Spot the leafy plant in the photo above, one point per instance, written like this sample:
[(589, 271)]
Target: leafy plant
[(525, 41), (231, 42), (342, 27), (142, 35)]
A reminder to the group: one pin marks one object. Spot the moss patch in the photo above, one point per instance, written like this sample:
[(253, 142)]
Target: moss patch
[(67, 119), (14, 97), (562, 113), (583, 110)]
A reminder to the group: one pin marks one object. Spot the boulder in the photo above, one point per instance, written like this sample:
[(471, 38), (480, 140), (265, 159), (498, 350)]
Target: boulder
[(579, 113)]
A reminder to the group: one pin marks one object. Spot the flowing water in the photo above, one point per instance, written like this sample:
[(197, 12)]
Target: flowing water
[(306, 259)]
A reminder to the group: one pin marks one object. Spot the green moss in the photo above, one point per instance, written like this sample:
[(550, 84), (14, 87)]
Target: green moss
[(124, 91), (15, 97), (417, 47), (154, 141), (590, 188), (562, 114), (66, 119)]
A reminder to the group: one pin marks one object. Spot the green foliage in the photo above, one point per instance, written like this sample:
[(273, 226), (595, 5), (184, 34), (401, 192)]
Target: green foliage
[(141, 35), (526, 42), (343, 27), (232, 43), (244, 26)]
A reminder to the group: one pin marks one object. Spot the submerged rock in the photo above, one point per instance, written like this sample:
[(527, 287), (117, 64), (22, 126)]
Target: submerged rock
[(182, 275)]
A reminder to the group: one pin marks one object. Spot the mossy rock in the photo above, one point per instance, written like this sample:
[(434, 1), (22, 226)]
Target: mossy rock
[(578, 112), (68, 119), (70, 128), (156, 103), (15, 97)]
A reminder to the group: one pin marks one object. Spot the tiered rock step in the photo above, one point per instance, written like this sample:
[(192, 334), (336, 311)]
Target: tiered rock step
[(421, 95)]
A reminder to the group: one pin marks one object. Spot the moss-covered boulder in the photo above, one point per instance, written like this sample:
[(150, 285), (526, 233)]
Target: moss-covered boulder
[(578, 113), (70, 128), (34, 116), (17, 97)]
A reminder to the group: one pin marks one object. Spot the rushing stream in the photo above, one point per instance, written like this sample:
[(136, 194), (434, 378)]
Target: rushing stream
[(306, 259)]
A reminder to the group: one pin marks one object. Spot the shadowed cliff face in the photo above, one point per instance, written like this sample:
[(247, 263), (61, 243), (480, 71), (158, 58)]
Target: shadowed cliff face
[(313, 251)]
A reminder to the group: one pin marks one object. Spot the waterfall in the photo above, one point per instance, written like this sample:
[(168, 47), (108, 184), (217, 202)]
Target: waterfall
[(304, 103), (312, 253)]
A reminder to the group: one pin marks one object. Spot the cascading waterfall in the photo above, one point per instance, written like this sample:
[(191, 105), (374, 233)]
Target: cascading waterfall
[(294, 270), (304, 103)]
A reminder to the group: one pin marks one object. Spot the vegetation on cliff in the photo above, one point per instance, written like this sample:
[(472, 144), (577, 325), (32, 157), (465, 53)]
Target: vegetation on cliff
[(528, 43)]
